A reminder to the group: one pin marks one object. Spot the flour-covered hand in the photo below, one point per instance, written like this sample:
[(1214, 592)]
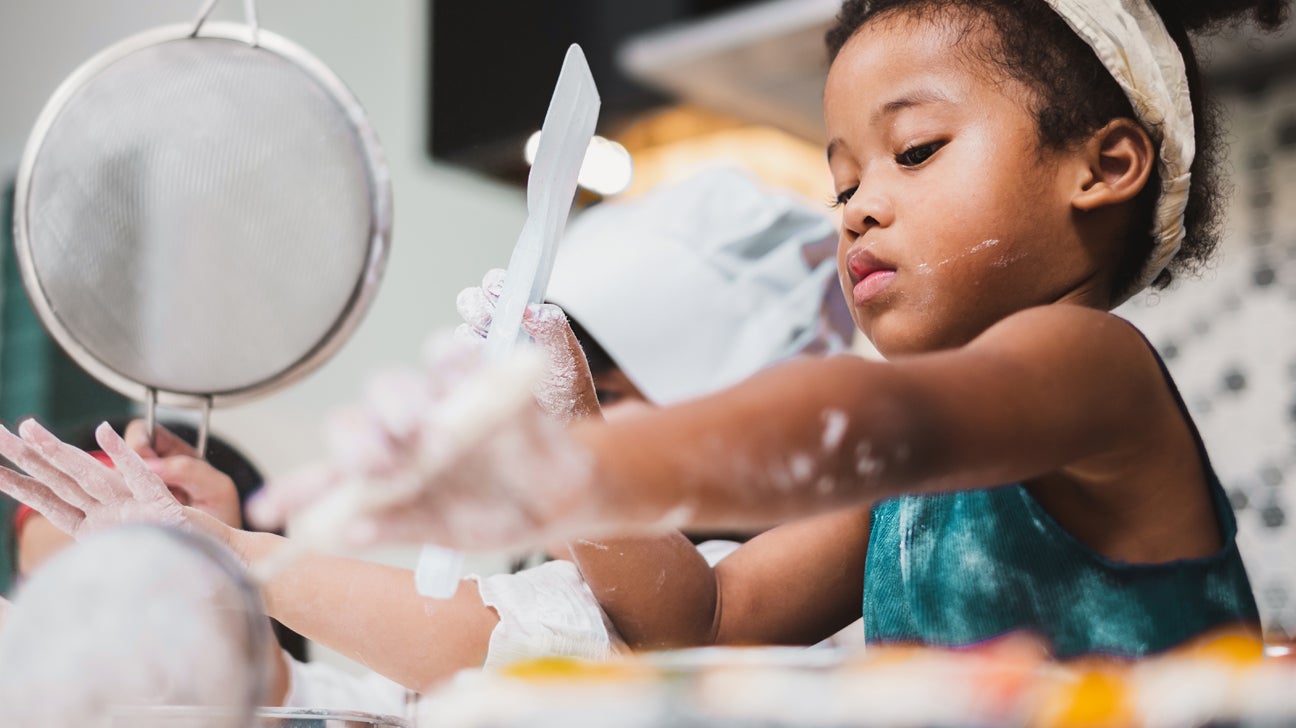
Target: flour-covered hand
[(566, 390), (79, 494), (458, 455), (192, 480)]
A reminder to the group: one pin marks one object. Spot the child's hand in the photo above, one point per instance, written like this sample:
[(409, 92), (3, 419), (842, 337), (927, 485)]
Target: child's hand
[(192, 480), (459, 455), (566, 391), (80, 495)]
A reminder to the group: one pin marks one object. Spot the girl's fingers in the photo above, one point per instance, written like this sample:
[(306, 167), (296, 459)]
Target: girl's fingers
[(29, 456), (137, 439), (567, 390), (468, 335), (493, 283), (195, 476), (165, 443), (476, 309), (40, 499), (547, 324), (142, 482), (90, 475)]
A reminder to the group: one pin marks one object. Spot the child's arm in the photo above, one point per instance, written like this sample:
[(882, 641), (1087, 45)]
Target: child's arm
[(795, 584), (372, 613), (1059, 390), (1049, 389), (369, 612)]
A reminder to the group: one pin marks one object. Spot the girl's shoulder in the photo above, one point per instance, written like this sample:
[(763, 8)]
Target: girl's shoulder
[(1065, 335)]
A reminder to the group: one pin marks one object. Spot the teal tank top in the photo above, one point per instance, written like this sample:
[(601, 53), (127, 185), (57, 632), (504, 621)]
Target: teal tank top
[(955, 569)]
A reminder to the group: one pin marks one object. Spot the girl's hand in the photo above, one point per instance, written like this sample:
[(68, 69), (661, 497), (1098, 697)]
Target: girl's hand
[(459, 455), (80, 495), (566, 391), (192, 480)]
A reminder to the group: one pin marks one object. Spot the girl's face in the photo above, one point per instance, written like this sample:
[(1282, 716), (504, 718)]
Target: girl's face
[(953, 216)]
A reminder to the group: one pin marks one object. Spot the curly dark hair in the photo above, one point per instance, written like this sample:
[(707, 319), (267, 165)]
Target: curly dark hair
[(1033, 45)]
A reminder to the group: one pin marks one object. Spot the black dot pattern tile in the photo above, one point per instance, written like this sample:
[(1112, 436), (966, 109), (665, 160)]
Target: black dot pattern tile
[(1234, 380), (1287, 133)]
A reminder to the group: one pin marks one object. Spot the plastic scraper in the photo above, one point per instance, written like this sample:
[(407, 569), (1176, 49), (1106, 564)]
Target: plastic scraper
[(551, 186)]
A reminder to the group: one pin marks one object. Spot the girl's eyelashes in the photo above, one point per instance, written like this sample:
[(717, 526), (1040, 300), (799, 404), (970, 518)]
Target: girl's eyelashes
[(842, 197), (914, 156)]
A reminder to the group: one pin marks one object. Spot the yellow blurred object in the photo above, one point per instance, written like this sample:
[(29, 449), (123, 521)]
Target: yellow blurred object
[(1095, 698), (1234, 648), (571, 669)]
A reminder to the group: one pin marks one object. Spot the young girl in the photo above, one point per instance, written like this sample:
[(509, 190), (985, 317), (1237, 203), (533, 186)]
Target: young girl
[(1008, 172)]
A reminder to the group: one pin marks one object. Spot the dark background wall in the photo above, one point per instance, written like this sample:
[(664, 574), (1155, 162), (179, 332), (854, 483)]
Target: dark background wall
[(494, 65)]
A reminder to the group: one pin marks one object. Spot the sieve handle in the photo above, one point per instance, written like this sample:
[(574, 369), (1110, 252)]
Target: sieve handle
[(204, 428), (249, 16), (150, 422)]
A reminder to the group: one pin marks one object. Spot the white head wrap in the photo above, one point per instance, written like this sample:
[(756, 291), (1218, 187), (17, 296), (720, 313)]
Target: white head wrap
[(1132, 42), (701, 283)]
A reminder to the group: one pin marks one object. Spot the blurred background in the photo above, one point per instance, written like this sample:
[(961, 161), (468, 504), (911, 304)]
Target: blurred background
[(456, 87)]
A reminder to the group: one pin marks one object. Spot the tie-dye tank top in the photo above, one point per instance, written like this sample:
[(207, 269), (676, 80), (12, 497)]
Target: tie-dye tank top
[(955, 569)]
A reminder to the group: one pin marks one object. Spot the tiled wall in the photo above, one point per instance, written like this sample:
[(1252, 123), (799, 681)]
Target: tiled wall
[(1230, 341)]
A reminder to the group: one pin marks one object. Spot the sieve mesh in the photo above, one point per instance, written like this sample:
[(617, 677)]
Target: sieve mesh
[(200, 214)]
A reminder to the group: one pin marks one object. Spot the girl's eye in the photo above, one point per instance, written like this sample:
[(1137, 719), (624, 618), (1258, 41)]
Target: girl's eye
[(842, 197), (916, 155)]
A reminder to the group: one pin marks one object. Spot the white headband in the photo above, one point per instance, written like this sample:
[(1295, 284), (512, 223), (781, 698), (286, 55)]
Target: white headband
[(1132, 42)]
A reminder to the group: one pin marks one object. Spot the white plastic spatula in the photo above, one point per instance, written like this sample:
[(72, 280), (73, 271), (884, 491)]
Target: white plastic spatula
[(568, 127)]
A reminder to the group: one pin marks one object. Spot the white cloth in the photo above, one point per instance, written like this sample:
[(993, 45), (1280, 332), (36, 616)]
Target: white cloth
[(1132, 42), (699, 284), (546, 611), (326, 687)]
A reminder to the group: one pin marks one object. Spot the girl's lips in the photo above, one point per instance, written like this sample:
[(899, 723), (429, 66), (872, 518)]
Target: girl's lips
[(872, 285), (869, 275)]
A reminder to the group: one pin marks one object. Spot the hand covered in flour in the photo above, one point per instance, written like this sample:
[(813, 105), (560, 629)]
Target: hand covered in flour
[(458, 454), (80, 495), (566, 391), (192, 480)]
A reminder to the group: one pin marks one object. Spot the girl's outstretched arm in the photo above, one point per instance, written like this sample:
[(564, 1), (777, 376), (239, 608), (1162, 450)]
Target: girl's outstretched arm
[(1068, 400), (1057, 389)]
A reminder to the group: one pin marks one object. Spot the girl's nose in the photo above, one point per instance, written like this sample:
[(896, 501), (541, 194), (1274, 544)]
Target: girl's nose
[(868, 209)]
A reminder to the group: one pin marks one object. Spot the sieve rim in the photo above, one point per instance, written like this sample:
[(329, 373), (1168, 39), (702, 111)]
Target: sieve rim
[(378, 179)]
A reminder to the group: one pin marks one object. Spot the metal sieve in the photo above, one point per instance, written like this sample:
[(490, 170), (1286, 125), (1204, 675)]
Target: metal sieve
[(202, 214)]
